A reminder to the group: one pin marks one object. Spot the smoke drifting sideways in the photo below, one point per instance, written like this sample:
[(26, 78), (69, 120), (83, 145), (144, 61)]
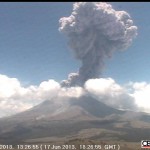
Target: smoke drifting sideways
[(95, 30)]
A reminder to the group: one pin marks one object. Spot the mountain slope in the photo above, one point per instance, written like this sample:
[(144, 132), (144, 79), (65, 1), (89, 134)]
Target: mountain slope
[(68, 108), (74, 118)]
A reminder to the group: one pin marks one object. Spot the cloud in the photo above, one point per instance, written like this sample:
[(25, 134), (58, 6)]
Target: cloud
[(8, 86), (140, 91), (15, 98), (71, 92), (95, 30), (109, 92)]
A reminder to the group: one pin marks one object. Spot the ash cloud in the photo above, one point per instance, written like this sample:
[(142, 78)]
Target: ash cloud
[(95, 30)]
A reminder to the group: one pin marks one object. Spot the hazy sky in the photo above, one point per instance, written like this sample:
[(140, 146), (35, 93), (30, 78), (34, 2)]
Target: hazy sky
[(35, 58), (32, 49)]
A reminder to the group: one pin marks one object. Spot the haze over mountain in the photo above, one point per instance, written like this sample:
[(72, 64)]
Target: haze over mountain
[(54, 120)]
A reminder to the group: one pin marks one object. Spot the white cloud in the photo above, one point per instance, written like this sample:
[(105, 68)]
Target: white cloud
[(109, 92), (102, 86), (8, 86), (71, 92), (134, 96), (10, 106), (16, 98), (141, 94)]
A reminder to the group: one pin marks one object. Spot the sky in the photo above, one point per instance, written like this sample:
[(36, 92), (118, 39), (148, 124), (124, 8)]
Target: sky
[(32, 50), (30, 43)]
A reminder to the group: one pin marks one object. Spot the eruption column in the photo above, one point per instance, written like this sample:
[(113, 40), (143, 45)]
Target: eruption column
[(95, 30)]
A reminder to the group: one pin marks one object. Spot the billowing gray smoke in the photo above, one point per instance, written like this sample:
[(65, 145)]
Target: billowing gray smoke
[(95, 30)]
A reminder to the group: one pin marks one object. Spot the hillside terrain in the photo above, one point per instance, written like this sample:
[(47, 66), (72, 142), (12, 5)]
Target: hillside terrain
[(75, 120)]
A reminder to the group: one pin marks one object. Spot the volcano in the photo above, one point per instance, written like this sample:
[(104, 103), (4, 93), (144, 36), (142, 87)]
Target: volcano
[(68, 108), (68, 118)]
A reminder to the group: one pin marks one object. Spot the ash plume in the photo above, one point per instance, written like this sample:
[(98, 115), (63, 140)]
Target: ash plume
[(95, 30)]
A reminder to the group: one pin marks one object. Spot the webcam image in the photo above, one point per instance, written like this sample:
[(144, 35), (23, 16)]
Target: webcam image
[(74, 76)]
